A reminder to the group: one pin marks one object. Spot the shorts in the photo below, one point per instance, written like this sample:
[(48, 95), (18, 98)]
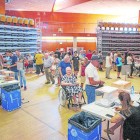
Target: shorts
[(76, 68), (26, 67), (119, 68), (30, 65), (101, 63), (83, 79)]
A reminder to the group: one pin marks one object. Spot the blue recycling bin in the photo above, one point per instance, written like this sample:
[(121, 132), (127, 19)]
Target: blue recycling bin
[(11, 98), (84, 126)]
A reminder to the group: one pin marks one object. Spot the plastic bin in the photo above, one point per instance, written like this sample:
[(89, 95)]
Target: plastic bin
[(14, 34), (84, 126), (11, 98)]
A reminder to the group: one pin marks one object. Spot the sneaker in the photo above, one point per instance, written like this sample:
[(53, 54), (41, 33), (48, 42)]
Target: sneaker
[(47, 83), (52, 82), (119, 77), (109, 78), (21, 86), (25, 88)]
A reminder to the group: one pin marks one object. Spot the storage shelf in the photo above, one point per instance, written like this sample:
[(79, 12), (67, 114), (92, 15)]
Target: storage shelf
[(17, 27), (10, 35), (4, 42), (9, 48), (121, 43), (14, 37), (121, 39), (16, 32)]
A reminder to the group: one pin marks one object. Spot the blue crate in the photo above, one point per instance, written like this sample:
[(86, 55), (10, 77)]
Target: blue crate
[(77, 134), (10, 100), (14, 34), (2, 34)]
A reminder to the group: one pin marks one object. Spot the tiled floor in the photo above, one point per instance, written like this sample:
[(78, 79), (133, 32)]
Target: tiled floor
[(43, 118)]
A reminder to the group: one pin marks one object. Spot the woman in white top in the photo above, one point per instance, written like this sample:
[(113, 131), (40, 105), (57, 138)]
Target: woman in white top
[(129, 62), (108, 65)]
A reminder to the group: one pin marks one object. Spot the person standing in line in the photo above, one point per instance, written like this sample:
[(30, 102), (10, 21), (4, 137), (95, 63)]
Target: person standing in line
[(7, 59), (92, 79), (81, 56), (63, 65), (39, 63), (56, 63), (26, 65), (125, 57), (111, 55), (75, 63), (13, 64), (1, 61), (84, 53), (48, 61), (30, 61), (119, 65), (22, 72), (108, 65), (115, 57), (101, 61), (58, 53), (129, 62), (83, 67), (89, 54)]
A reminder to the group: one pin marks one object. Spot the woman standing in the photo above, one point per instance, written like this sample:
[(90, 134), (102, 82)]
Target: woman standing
[(56, 63), (26, 64), (108, 66), (39, 63), (119, 65), (30, 61)]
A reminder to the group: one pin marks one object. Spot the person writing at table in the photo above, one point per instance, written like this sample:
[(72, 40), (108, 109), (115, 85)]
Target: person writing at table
[(92, 78), (124, 113)]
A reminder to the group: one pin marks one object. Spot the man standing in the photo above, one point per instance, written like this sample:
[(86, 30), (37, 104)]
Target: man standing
[(126, 54), (75, 63), (58, 53), (115, 57), (92, 79), (89, 54), (13, 64), (101, 61), (81, 55), (63, 65), (22, 72), (48, 61)]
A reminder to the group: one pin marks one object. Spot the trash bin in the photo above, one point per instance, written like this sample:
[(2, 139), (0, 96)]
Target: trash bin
[(84, 126), (10, 97)]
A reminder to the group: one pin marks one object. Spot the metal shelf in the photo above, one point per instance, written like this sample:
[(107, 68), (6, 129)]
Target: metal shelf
[(121, 39), (9, 48), (120, 43), (17, 27), (4, 42), (16, 32), (20, 37)]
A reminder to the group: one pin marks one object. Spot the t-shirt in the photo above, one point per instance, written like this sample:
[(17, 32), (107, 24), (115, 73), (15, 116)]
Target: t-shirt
[(100, 57), (89, 55), (75, 60), (13, 61), (83, 70), (58, 53), (30, 60), (21, 57), (39, 59), (120, 62), (63, 66), (129, 60), (90, 72), (81, 56), (126, 54), (48, 62), (115, 57), (7, 58)]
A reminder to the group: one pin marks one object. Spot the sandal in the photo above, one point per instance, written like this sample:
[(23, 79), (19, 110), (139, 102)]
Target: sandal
[(110, 132)]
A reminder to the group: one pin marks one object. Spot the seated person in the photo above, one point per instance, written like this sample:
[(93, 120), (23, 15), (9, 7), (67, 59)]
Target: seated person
[(72, 85), (125, 112)]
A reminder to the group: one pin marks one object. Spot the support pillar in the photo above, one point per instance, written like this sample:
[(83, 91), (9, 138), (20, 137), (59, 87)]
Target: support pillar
[(74, 44), (2, 7)]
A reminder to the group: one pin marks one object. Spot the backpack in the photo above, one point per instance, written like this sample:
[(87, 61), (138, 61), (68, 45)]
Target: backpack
[(117, 61)]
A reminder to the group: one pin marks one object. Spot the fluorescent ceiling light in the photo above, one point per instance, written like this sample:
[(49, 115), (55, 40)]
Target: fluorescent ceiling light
[(20, 9), (59, 1)]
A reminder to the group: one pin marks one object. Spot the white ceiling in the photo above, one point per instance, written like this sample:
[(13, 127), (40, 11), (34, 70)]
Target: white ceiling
[(109, 7), (30, 5)]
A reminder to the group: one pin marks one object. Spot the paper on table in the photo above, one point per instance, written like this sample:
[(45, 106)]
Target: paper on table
[(107, 89), (95, 108), (12, 81)]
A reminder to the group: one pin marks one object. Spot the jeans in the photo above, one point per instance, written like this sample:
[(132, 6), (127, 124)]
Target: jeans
[(16, 75), (22, 78), (90, 91), (39, 68)]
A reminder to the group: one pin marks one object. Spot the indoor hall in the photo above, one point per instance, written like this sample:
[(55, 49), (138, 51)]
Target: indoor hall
[(38, 38)]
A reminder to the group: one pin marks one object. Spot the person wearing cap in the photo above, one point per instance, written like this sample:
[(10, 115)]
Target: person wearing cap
[(39, 63), (92, 79)]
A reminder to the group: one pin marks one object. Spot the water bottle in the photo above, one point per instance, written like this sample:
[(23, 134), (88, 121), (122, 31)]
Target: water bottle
[(132, 90)]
